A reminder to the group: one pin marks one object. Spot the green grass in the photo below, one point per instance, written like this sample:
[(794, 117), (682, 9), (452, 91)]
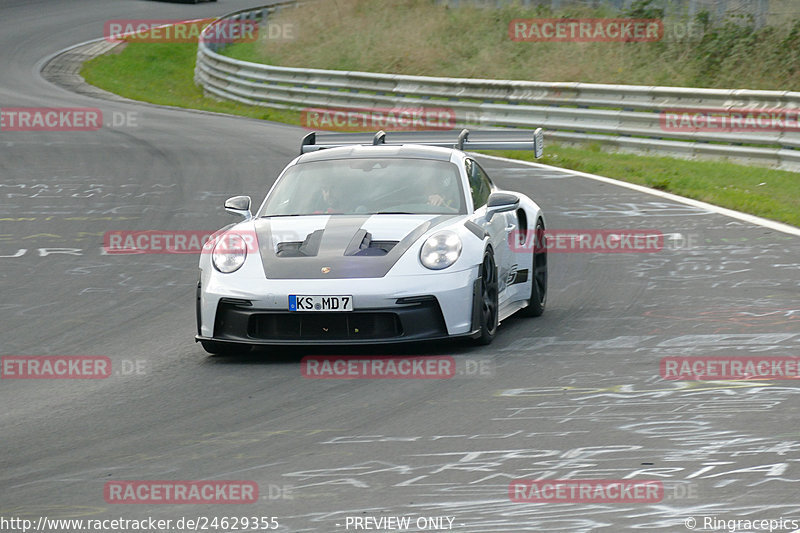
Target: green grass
[(773, 194), (163, 74)]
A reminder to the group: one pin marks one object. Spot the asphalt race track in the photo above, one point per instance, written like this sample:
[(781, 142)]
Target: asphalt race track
[(575, 394)]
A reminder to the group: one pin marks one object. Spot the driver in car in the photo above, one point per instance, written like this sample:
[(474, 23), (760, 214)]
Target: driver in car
[(437, 191), (329, 199)]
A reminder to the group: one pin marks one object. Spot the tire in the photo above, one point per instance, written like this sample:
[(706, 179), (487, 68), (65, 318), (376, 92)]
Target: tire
[(224, 348), (488, 300), (538, 296)]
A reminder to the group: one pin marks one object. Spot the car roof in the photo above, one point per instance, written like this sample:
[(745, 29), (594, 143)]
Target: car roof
[(410, 151)]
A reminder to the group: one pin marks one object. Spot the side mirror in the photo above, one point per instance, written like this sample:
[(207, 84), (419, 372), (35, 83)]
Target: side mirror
[(239, 205), (500, 202)]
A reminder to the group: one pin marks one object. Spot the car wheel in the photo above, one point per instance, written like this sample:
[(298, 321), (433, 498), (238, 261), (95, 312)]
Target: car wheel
[(539, 276), (488, 300), (224, 348)]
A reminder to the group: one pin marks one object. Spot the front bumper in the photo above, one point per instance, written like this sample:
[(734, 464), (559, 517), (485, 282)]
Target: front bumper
[(425, 308), (420, 320)]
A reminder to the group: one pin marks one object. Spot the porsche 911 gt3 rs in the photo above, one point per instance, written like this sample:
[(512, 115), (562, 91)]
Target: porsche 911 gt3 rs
[(373, 242)]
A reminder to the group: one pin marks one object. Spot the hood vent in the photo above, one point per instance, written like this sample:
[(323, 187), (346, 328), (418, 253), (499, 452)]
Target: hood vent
[(306, 248), (362, 244)]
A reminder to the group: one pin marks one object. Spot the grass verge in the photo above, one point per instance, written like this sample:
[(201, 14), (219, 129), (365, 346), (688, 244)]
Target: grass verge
[(163, 73), (768, 193)]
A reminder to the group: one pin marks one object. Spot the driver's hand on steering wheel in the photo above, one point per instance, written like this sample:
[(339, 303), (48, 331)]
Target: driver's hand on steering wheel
[(436, 200)]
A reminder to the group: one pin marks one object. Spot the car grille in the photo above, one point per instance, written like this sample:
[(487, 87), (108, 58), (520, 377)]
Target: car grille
[(414, 318), (320, 326)]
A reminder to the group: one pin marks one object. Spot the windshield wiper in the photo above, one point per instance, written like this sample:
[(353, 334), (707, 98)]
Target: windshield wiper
[(394, 213)]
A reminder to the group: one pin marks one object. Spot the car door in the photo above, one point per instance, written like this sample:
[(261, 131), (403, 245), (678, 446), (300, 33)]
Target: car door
[(501, 225)]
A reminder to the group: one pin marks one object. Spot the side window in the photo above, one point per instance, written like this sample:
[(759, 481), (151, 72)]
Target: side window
[(479, 184), (486, 180)]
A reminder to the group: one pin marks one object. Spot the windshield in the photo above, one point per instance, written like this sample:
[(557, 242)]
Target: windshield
[(367, 186)]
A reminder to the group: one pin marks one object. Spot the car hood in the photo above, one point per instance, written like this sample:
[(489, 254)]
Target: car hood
[(338, 246)]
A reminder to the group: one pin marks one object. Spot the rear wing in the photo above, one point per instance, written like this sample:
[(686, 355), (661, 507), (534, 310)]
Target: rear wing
[(481, 140)]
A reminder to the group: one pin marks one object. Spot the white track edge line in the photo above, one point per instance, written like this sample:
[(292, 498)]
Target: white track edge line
[(738, 215)]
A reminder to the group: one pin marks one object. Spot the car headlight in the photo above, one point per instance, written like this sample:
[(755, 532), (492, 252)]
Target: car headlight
[(440, 250), (229, 253)]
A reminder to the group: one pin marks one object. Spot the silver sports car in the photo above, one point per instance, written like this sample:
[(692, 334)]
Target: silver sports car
[(375, 241)]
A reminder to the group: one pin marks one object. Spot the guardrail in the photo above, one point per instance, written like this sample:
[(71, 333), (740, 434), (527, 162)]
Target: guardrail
[(625, 116)]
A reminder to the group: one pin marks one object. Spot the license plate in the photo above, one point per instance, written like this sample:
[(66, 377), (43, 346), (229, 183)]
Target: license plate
[(299, 302)]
